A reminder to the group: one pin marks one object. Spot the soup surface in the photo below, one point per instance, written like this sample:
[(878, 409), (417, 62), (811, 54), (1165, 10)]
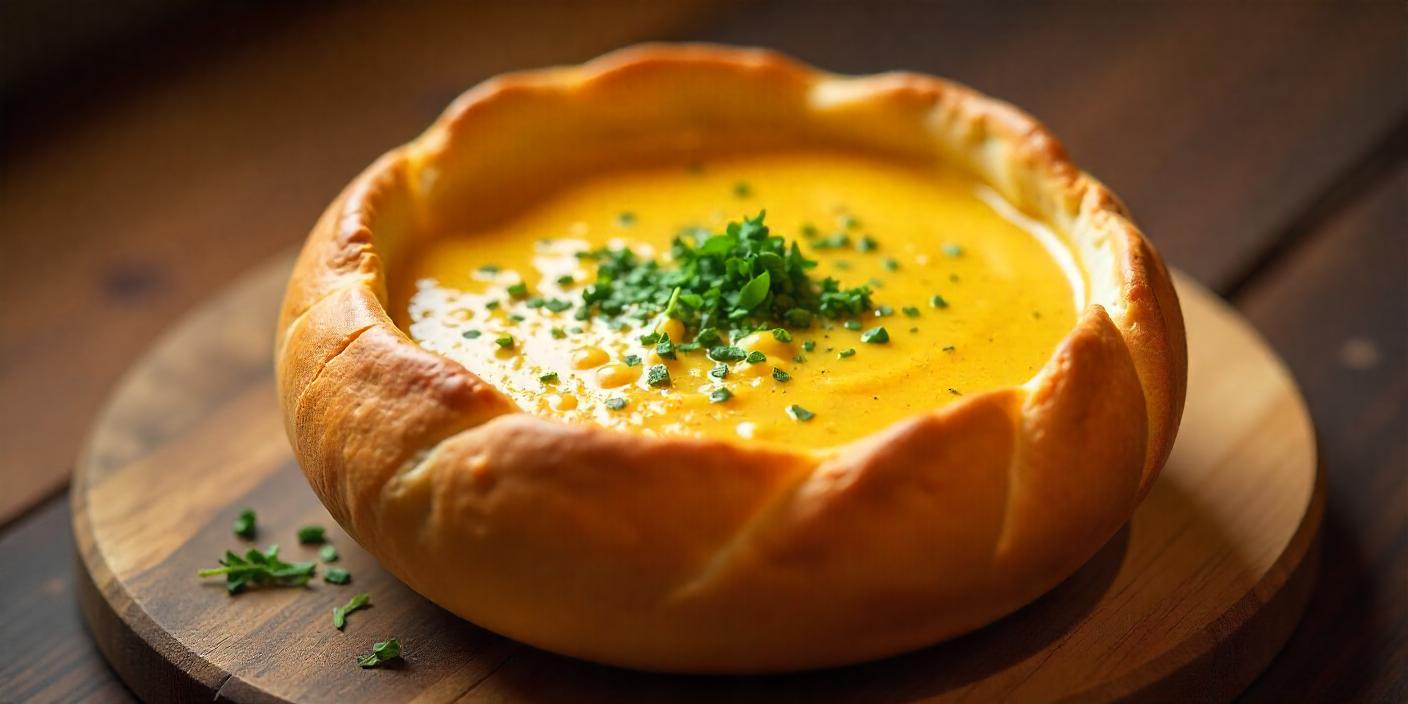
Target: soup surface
[(965, 295)]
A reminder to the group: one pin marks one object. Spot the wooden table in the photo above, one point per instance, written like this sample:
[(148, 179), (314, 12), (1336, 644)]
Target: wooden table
[(1263, 146)]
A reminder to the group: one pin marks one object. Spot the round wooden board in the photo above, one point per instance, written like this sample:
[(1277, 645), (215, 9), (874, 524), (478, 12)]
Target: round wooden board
[(1189, 601)]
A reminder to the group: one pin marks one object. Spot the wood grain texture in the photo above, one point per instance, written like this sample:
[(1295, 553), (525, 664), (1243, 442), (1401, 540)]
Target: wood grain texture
[(1217, 122), (145, 203), (1339, 310), (1193, 597)]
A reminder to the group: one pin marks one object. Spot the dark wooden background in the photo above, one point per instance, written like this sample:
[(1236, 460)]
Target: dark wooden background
[(1263, 146)]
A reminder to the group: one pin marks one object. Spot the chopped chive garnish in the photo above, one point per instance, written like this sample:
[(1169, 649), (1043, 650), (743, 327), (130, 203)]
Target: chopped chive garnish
[(665, 348), (938, 301), (911, 311), (615, 404), (799, 414), (875, 336), (848, 352), (244, 524), (726, 353), (339, 613), (756, 357), (548, 377), (337, 575), (720, 395), (780, 375), (311, 535), (658, 376)]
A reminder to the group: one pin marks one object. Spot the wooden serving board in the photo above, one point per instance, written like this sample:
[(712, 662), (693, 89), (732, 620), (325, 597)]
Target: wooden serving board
[(1189, 601)]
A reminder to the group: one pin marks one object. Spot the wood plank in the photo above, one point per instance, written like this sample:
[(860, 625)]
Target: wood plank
[(140, 208), (52, 659), (1217, 123), (1338, 311)]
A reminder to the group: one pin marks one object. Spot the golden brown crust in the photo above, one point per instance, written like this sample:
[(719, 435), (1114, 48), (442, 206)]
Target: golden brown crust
[(693, 555)]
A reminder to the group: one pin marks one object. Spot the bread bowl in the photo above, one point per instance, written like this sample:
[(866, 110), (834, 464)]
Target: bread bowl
[(680, 539)]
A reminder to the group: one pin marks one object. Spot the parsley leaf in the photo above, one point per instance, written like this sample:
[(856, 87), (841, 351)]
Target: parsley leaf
[(658, 376), (382, 652), (615, 404), (720, 395), (327, 553), (780, 375), (244, 525), (339, 613), (311, 535), (799, 414), (337, 575)]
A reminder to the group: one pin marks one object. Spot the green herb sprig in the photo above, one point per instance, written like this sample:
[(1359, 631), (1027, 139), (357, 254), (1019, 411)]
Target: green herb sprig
[(263, 569)]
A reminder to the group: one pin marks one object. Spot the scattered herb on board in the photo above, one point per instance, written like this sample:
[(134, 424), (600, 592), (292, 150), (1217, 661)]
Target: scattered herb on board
[(339, 613), (263, 569), (244, 524), (337, 575), (383, 651), (311, 535), (799, 414), (327, 553)]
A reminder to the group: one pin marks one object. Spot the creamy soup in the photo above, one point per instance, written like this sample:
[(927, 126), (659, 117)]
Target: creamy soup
[(965, 295)]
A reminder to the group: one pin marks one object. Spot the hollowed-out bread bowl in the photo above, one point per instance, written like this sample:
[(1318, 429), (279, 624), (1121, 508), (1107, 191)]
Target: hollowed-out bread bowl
[(687, 553)]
